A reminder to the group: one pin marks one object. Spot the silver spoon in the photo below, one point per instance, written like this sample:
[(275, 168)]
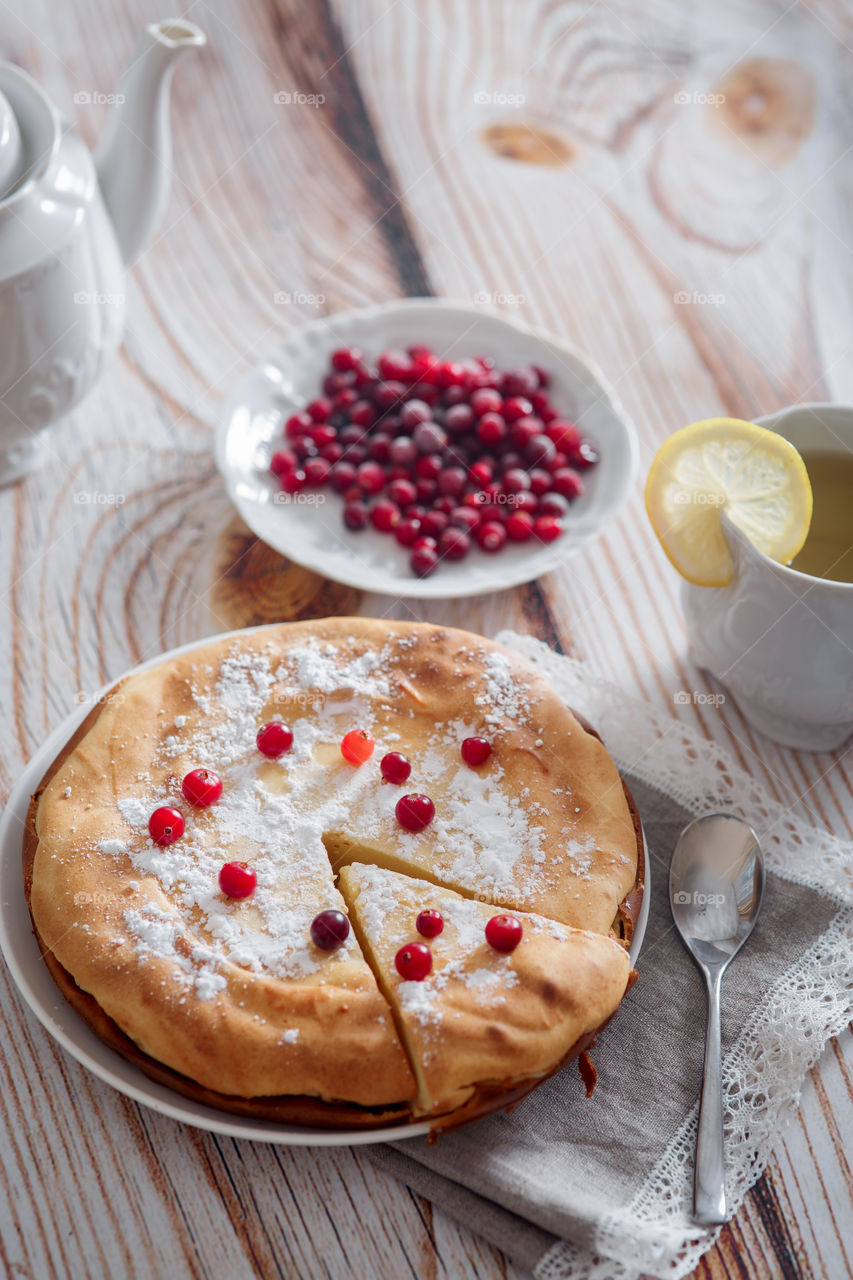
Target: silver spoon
[(716, 879)]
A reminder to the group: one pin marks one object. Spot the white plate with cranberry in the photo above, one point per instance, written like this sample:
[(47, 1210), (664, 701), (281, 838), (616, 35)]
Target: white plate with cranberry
[(425, 448), (34, 982)]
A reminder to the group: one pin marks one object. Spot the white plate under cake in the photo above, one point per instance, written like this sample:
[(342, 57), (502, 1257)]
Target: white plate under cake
[(230, 1000)]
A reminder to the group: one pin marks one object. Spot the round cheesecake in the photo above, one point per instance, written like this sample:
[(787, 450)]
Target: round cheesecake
[(230, 1000)]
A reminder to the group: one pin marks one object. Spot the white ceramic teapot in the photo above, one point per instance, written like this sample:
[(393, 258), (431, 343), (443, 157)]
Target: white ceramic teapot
[(69, 224)]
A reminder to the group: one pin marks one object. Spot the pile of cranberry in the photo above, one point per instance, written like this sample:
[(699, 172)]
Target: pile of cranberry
[(442, 454)]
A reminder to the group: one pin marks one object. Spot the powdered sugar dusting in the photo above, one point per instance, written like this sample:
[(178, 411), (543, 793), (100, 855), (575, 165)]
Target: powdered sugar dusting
[(388, 903)]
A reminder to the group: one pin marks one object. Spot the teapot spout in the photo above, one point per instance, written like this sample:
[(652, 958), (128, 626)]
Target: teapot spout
[(134, 156)]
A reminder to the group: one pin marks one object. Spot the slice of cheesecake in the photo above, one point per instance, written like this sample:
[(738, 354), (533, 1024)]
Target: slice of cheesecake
[(481, 1020)]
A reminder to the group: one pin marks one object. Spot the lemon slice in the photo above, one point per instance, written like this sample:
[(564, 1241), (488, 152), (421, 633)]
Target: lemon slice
[(723, 464)]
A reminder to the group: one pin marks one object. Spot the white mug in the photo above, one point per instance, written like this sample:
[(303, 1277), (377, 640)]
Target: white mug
[(780, 641)]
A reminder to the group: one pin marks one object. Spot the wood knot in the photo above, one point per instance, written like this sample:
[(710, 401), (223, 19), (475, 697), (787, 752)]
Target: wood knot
[(253, 584), (529, 144), (770, 104)]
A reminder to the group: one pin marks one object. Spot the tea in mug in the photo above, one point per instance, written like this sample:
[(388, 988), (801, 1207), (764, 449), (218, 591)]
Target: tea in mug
[(828, 549)]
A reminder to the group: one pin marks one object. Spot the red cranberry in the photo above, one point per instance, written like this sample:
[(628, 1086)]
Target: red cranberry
[(454, 395), (444, 504), (370, 477), (304, 448), (424, 541), (413, 962), (519, 526), (387, 394), (202, 787), (293, 481), (585, 455), (524, 430), (452, 481), (486, 400), (379, 449), (475, 751), (558, 461), (403, 492), (342, 475), (423, 561), (407, 531), (344, 400), (458, 419), (403, 451), (297, 425), (454, 544), (345, 359), (413, 413), (568, 483), (356, 515), (395, 767), (490, 536), (394, 366), (352, 434), (426, 490), (434, 523), (503, 933), (481, 472), (491, 430), (520, 382), (362, 414), (464, 518), (524, 501), (428, 467), (329, 929), (335, 383), (414, 812), (540, 481), (332, 452), (565, 435), (274, 739), (317, 471), (429, 923), (492, 511), (552, 504), (323, 434), (429, 437), (283, 460), (384, 515), (319, 410), (547, 528), (424, 390), (357, 746), (166, 825), (539, 450), (237, 880), (517, 407), (515, 480), (450, 373)]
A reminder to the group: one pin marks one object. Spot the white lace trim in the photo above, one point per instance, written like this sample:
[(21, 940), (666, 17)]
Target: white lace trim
[(812, 1000)]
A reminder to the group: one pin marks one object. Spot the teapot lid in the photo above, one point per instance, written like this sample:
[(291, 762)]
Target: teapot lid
[(11, 150)]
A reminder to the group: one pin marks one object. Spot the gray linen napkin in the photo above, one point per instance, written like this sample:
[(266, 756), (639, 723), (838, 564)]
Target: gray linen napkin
[(540, 1182)]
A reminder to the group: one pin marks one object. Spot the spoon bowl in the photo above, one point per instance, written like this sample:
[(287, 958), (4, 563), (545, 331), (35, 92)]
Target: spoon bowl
[(716, 883)]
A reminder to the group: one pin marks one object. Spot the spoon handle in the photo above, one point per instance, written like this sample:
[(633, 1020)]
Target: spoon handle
[(709, 1182)]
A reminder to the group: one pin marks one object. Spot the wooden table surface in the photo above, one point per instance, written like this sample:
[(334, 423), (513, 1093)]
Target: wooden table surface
[(667, 187)]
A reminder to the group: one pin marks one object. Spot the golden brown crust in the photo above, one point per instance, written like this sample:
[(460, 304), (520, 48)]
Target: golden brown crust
[(311, 1007)]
